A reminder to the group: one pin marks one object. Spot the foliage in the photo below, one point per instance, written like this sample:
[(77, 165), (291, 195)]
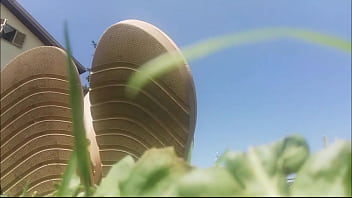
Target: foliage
[(260, 171)]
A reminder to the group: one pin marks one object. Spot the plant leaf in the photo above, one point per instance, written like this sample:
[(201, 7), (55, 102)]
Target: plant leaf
[(215, 181), (262, 170), (110, 185), (327, 173), (154, 174)]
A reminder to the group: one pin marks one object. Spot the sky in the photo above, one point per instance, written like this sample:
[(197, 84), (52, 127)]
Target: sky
[(247, 95)]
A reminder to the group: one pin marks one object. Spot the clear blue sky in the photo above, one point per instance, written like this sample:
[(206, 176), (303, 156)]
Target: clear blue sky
[(248, 95)]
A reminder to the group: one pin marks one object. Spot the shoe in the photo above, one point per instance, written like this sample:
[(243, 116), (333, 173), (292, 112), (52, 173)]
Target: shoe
[(36, 127), (164, 112)]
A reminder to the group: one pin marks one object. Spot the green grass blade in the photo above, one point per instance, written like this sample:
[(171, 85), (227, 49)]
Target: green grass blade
[(169, 61), (25, 190), (190, 152), (76, 101), (321, 39), (70, 181)]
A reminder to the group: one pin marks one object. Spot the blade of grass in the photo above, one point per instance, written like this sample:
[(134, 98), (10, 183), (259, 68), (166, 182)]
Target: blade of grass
[(76, 101), (67, 185), (25, 190), (190, 152), (168, 61)]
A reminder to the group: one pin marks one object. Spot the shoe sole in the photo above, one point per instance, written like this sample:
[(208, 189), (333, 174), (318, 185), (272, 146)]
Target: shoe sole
[(36, 127), (163, 114)]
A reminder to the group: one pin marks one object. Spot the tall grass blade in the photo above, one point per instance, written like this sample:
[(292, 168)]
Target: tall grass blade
[(80, 140), (25, 191), (190, 152), (70, 181), (169, 61)]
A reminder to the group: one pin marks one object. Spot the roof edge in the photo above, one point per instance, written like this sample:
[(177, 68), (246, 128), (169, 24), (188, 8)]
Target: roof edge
[(36, 28)]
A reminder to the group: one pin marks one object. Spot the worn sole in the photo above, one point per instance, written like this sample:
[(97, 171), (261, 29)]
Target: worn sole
[(36, 127), (163, 113)]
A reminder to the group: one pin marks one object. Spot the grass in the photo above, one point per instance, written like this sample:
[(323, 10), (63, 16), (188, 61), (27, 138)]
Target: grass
[(80, 156)]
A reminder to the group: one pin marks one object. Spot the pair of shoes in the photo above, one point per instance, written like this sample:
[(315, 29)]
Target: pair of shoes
[(36, 127)]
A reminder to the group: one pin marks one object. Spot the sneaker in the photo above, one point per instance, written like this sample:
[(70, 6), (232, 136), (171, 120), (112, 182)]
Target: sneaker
[(164, 112), (36, 127)]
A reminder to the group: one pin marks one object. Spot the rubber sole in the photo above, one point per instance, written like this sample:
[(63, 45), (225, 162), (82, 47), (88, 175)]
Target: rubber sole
[(36, 127), (164, 112)]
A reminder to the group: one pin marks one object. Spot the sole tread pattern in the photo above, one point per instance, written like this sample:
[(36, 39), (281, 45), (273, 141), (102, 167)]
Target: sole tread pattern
[(36, 128), (163, 114)]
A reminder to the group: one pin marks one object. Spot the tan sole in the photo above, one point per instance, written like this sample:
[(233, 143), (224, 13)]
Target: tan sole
[(36, 136), (164, 112)]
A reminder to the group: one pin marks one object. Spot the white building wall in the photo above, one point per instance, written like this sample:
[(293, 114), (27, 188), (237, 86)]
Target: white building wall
[(8, 50)]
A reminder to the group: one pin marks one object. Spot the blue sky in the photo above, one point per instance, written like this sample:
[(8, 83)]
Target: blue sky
[(247, 95)]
